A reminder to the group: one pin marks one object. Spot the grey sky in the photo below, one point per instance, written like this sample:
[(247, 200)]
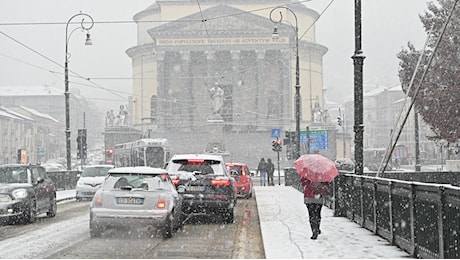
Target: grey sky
[(387, 27)]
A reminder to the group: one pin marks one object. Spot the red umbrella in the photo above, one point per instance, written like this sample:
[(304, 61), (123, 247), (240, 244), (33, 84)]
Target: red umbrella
[(316, 168)]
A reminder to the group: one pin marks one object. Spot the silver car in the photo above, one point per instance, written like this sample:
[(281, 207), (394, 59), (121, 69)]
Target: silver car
[(90, 180), (139, 197)]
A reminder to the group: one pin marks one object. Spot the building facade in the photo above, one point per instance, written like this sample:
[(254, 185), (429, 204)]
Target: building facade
[(215, 70), (47, 102), (382, 107)]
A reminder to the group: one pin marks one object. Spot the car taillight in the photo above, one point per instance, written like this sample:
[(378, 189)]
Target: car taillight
[(175, 180), (195, 161), (220, 182), (161, 204), (98, 201)]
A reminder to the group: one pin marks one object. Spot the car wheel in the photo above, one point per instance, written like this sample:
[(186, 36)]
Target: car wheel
[(249, 195), (180, 222), (228, 216), (94, 230), (78, 199), (167, 230), (53, 207), (30, 215)]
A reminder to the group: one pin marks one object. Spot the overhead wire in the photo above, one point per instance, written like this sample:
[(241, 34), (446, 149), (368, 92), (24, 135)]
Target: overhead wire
[(203, 20)]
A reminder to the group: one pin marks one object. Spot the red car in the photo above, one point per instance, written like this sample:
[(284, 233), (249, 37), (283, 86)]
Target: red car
[(242, 175)]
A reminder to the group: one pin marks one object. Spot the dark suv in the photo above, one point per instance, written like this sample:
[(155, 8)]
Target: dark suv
[(205, 184), (25, 192)]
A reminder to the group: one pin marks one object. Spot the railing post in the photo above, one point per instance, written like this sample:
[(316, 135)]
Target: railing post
[(374, 205), (338, 209), (441, 221), (361, 202), (390, 202), (353, 190), (412, 209)]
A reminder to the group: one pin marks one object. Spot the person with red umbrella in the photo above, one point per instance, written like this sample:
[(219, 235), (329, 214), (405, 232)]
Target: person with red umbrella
[(316, 172), (313, 194)]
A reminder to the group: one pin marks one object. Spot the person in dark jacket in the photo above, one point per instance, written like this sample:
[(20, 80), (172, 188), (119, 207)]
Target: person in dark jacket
[(270, 171), (262, 169), (313, 194)]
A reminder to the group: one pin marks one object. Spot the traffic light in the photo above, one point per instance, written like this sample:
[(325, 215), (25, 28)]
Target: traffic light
[(289, 153), (339, 121), (83, 147), (79, 147), (81, 144), (276, 145), (287, 140)]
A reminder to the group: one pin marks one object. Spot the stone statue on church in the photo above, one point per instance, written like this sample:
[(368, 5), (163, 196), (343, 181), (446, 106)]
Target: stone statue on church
[(217, 96), (123, 116), (317, 113)]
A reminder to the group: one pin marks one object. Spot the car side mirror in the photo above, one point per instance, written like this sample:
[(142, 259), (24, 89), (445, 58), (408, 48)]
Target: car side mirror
[(181, 189)]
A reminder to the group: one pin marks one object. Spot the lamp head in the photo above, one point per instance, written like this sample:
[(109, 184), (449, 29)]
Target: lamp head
[(275, 34), (88, 39)]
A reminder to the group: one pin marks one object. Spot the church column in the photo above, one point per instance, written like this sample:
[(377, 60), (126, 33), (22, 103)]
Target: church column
[(287, 89), (187, 106), (261, 102), (237, 85), (162, 92), (210, 57)]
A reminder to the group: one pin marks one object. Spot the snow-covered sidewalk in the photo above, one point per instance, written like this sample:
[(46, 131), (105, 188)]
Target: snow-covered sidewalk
[(286, 231), (65, 195)]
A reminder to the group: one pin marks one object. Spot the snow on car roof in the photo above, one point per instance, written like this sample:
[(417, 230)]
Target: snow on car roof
[(100, 165), (197, 156), (138, 170)]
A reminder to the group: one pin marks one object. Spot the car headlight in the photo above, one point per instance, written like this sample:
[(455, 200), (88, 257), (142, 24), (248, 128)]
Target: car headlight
[(19, 193)]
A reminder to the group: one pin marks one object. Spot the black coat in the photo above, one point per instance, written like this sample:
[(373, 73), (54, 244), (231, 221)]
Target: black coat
[(270, 168), (262, 166)]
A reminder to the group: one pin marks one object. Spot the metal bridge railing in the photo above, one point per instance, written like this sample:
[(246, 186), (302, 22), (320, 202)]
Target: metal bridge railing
[(64, 179), (421, 218)]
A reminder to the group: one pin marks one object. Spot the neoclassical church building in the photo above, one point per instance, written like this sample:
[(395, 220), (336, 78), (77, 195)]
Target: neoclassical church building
[(210, 69)]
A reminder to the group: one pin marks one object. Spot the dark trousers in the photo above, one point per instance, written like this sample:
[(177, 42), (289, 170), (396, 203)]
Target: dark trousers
[(270, 179), (314, 214)]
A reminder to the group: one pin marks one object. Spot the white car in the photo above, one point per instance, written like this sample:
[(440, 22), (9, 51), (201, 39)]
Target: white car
[(136, 197), (90, 180)]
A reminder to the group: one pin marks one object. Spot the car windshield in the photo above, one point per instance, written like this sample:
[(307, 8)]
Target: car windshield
[(95, 171), (136, 181), (238, 169), (13, 175), (203, 167)]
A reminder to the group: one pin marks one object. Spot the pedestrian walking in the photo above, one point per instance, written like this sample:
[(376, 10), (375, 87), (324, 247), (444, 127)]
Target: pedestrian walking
[(270, 171), (262, 169), (314, 193)]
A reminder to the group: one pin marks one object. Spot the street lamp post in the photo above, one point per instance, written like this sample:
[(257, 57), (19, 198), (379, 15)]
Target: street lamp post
[(297, 75), (358, 61), (86, 27)]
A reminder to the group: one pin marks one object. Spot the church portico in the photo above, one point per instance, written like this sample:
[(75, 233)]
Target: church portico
[(226, 73)]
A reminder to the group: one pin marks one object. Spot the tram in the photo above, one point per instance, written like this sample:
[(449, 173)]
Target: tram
[(142, 152)]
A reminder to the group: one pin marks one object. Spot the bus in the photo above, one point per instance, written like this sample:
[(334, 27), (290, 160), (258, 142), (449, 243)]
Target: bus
[(374, 156), (142, 152)]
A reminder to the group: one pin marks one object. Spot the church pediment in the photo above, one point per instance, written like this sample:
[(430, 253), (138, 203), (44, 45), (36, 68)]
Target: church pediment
[(218, 21)]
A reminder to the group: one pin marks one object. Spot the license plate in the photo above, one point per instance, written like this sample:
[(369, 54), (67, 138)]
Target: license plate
[(197, 188), (129, 200), (5, 198)]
